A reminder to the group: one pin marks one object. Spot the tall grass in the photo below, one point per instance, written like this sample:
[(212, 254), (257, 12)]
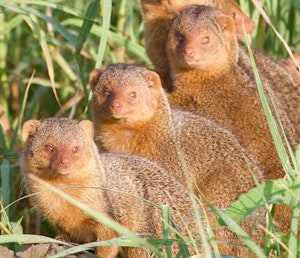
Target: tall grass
[(47, 49)]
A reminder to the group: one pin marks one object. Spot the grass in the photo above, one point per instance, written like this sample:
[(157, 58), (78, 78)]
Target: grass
[(47, 49)]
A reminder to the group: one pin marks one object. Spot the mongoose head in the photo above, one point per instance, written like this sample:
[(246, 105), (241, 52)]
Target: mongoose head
[(124, 94), (202, 38), (57, 146), (242, 22)]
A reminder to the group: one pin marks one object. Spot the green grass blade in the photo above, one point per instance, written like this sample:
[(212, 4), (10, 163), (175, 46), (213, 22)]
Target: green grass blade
[(273, 192), (14, 138), (106, 10), (166, 218), (28, 239), (5, 182), (281, 150), (91, 13), (62, 30), (236, 229), (33, 24), (240, 232)]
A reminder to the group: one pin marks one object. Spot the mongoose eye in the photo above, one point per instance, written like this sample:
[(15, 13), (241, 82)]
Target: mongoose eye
[(233, 14), (106, 93), (49, 148), (180, 37), (75, 149), (205, 40), (132, 95)]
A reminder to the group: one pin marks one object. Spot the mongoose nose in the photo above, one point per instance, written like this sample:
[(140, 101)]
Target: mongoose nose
[(189, 51), (116, 105), (65, 161)]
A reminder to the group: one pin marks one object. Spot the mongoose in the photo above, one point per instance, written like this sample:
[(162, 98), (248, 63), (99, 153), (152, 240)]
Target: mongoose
[(62, 152), (158, 17), (131, 113), (281, 76), (203, 52)]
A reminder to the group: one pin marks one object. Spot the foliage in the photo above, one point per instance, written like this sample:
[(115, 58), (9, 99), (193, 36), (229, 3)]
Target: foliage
[(47, 49)]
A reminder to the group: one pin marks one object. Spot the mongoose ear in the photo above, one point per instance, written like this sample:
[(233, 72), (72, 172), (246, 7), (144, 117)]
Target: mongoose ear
[(94, 77), (242, 21), (88, 128), (29, 129), (161, 73), (153, 81), (227, 24)]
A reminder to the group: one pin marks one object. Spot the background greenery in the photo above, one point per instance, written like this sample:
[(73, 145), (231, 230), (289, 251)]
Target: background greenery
[(48, 48)]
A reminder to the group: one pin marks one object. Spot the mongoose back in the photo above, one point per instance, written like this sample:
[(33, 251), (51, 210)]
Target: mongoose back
[(293, 69), (203, 53), (131, 114), (158, 17), (281, 76), (61, 151)]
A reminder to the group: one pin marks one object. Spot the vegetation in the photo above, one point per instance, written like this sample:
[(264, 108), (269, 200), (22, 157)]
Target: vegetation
[(47, 49)]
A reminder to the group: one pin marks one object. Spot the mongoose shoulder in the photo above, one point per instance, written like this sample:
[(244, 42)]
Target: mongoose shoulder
[(62, 152), (158, 17), (131, 114), (203, 53)]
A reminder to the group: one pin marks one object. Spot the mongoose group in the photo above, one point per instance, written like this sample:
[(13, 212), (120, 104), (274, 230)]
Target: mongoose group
[(281, 75), (192, 126), (131, 114)]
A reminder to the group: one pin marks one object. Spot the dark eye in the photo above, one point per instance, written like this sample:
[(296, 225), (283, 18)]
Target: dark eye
[(75, 149), (180, 37), (106, 93), (49, 148), (132, 95), (205, 40), (233, 14)]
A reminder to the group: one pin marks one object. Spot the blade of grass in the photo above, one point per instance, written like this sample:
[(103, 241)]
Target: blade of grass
[(37, 3), (91, 13), (106, 10), (114, 38), (166, 228), (293, 240), (29, 239), (5, 182), (203, 234), (61, 29), (238, 230), (3, 57), (281, 150), (266, 18), (32, 22), (14, 138)]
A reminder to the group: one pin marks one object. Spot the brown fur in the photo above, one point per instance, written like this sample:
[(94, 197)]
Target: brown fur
[(158, 16), (292, 68), (203, 53), (62, 152), (280, 80), (131, 114)]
